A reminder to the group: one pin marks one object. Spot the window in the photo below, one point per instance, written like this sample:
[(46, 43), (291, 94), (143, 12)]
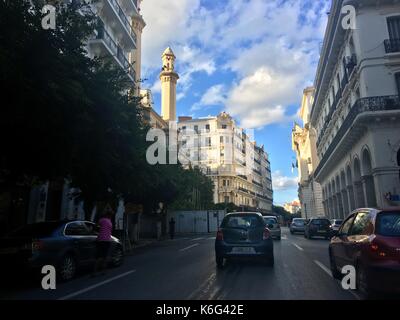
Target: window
[(196, 129), (388, 224), (346, 226), (76, 229), (221, 139), (224, 126), (208, 142), (394, 27), (397, 76), (361, 223), (207, 128)]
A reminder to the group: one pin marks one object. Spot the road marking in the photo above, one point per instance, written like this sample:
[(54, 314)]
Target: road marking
[(284, 238), (77, 293), (192, 246), (211, 238), (298, 247), (323, 267), (196, 239)]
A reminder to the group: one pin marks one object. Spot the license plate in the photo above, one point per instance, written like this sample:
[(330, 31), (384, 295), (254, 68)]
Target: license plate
[(8, 250), (243, 250)]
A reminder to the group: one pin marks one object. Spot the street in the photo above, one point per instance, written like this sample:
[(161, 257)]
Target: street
[(184, 269)]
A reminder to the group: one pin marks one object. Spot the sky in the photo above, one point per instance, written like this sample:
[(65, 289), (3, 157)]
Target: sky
[(250, 58)]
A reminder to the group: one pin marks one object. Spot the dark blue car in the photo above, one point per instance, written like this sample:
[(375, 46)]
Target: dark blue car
[(67, 245), (244, 234)]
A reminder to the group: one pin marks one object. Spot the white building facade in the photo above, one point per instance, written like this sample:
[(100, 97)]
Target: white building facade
[(304, 145), (356, 109), (240, 169)]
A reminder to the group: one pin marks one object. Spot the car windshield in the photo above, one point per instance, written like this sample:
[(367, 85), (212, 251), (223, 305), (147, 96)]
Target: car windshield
[(242, 221), (43, 229), (337, 222), (270, 220), (388, 224)]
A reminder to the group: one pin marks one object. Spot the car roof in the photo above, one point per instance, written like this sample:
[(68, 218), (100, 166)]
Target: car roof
[(270, 217), (244, 213)]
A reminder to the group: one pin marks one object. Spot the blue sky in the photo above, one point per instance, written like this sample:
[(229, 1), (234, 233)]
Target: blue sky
[(250, 58)]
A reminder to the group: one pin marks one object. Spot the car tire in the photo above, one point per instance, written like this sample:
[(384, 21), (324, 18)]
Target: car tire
[(335, 272), (117, 257), (219, 261), (270, 259), (291, 232), (363, 288), (310, 236), (278, 238), (305, 235), (67, 268)]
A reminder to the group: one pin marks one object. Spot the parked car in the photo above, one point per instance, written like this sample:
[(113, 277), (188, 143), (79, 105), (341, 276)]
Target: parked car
[(273, 226), (318, 227), (298, 225), (335, 224), (244, 234), (369, 240), (67, 245)]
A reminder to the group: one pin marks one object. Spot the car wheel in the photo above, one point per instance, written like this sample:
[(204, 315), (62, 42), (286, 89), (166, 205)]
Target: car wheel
[(117, 257), (362, 283), (291, 232), (310, 236), (67, 268), (305, 235), (219, 261), (335, 272), (278, 238), (270, 260)]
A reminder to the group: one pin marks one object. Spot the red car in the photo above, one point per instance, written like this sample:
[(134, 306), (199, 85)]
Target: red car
[(369, 240)]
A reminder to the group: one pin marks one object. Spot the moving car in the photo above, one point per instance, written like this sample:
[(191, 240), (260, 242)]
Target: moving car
[(298, 225), (335, 224), (273, 226), (243, 234), (318, 227), (369, 240), (67, 245)]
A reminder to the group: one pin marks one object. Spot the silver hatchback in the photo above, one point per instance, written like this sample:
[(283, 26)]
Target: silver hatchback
[(274, 226)]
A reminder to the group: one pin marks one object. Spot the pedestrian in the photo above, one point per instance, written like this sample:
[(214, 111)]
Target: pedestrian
[(172, 228), (103, 242)]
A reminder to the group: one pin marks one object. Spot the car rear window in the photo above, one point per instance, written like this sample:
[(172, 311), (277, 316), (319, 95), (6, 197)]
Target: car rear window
[(270, 220), (299, 222), (44, 229), (338, 222), (242, 221), (321, 222), (388, 224)]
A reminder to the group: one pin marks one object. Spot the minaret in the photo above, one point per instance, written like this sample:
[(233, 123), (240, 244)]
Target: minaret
[(168, 78)]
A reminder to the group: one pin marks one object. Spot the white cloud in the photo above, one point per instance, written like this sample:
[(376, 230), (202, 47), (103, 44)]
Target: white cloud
[(214, 96), (281, 182), (271, 45)]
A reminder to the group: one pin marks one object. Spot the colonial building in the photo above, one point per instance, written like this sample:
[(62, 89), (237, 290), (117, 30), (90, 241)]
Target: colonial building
[(356, 108), (239, 168), (304, 144)]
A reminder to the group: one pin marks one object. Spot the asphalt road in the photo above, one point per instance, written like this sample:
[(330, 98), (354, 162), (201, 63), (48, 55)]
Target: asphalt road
[(184, 268)]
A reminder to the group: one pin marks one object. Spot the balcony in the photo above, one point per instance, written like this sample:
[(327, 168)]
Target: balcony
[(112, 11), (257, 171), (257, 183), (392, 45), (104, 42), (363, 105)]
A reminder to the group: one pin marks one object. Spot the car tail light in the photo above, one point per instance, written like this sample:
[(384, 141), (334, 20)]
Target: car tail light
[(220, 236), (37, 245), (266, 234), (378, 250)]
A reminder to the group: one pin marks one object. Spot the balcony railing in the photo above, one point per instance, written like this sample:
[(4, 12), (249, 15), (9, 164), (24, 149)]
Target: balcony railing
[(116, 50), (257, 183), (371, 104), (124, 18), (257, 171), (392, 45)]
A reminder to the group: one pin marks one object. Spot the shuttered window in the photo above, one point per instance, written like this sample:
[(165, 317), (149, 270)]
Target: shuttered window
[(394, 27)]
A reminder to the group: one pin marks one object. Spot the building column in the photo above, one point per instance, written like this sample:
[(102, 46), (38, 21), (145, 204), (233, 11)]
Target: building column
[(369, 190), (350, 194), (345, 203), (359, 194)]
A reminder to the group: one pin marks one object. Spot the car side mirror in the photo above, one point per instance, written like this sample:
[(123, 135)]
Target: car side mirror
[(270, 226)]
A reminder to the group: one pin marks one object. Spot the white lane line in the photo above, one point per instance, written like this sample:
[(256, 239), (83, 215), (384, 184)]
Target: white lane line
[(284, 238), (211, 238), (298, 247), (196, 239), (323, 267), (192, 246), (77, 293)]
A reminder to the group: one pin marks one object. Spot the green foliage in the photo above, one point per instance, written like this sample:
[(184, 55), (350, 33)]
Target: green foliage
[(64, 115)]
